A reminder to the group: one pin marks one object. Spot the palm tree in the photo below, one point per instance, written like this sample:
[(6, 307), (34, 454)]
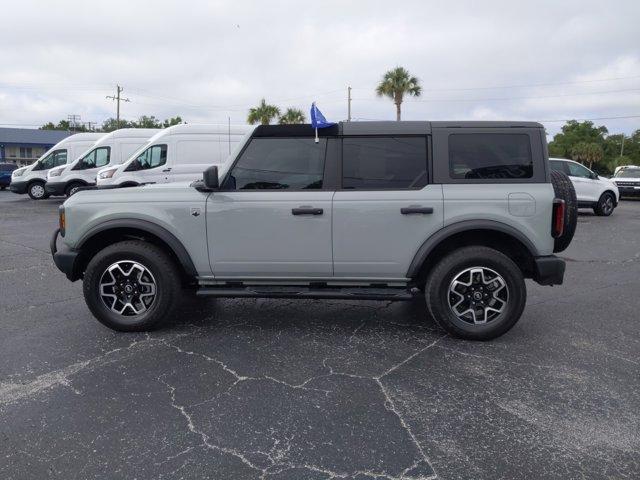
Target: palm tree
[(395, 84), (588, 153), (263, 113), (292, 115)]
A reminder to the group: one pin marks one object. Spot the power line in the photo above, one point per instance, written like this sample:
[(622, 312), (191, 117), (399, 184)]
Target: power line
[(550, 84)]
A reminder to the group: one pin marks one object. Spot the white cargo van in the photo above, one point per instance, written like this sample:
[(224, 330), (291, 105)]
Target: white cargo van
[(31, 179), (112, 149), (177, 153)]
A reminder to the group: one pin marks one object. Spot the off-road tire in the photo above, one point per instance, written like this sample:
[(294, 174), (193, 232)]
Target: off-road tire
[(34, 187), (439, 280), (564, 190), (156, 261), (603, 208)]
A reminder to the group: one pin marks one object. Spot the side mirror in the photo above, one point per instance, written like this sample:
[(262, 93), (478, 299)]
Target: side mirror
[(210, 178)]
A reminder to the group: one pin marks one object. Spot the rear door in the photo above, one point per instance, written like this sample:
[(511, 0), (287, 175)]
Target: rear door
[(273, 216), (385, 207)]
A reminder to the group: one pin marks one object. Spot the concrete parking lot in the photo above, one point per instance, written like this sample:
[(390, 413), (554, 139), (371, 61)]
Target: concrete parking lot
[(282, 389)]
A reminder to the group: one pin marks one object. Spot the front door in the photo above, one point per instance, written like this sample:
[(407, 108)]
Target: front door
[(272, 217), (385, 209), (582, 178)]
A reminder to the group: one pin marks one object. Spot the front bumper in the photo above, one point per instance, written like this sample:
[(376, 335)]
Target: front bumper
[(18, 187), (65, 259), (629, 191), (55, 188), (549, 270)]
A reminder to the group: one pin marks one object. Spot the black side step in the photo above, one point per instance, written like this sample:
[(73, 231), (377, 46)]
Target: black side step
[(385, 294)]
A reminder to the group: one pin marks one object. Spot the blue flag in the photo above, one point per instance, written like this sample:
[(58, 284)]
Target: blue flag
[(317, 119)]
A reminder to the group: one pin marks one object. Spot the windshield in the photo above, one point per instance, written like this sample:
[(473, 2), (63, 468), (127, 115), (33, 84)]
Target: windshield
[(54, 159), (629, 173)]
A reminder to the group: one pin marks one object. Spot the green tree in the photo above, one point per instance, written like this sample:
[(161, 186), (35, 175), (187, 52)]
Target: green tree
[(574, 132), (587, 153), (63, 125), (396, 84), (147, 122), (110, 124), (263, 113), (169, 122), (291, 116)]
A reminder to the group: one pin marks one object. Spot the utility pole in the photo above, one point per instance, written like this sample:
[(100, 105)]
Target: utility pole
[(74, 121), (622, 146), (348, 104), (118, 99)]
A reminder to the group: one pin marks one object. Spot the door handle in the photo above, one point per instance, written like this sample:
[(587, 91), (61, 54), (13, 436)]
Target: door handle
[(416, 210), (306, 211), (167, 169)]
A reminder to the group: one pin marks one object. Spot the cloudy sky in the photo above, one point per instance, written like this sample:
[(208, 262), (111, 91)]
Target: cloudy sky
[(210, 60)]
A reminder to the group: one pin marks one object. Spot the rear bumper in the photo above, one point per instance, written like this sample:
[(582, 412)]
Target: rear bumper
[(55, 188), (18, 187), (65, 259), (549, 270)]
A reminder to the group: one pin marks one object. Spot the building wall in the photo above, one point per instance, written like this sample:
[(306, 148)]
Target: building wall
[(23, 154)]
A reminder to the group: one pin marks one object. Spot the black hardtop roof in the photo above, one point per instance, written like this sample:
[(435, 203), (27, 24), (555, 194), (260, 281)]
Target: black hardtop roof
[(381, 128)]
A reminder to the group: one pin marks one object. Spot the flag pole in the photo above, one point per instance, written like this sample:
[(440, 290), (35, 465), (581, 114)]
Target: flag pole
[(314, 120)]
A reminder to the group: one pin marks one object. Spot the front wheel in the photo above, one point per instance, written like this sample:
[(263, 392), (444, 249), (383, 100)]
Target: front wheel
[(606, 204), (476, 293), (132, 286), (36, 191), (72, 188)]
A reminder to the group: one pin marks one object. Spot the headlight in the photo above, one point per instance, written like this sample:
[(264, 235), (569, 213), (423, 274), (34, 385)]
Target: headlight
[(56, 172), (19, 172), (107, 173)]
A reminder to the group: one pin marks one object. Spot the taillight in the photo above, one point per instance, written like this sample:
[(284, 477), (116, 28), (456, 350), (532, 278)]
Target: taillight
[(62, 220), (557, 221)]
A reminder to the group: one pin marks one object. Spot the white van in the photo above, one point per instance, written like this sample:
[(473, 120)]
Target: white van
[(177, 153), (112, 149), (31, 179)]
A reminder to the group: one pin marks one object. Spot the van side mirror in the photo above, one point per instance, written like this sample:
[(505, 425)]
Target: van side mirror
[(210, 178)]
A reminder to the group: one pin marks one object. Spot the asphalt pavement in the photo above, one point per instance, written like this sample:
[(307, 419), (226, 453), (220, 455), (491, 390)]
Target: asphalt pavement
[(283, 389)]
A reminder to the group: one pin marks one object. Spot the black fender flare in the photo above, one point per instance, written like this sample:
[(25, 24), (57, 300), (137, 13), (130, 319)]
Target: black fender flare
[(467, 225), (144, 225)]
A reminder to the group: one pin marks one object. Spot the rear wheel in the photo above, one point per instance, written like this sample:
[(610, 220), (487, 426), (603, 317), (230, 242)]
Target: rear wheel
[(476, 293), (606, 204), (36, 191), (132, 286)]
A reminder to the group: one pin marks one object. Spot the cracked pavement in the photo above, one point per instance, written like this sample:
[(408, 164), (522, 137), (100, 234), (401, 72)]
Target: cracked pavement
[(281, 389)]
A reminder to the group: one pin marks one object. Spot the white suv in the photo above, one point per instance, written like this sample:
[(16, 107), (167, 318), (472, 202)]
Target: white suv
[(592, 190)]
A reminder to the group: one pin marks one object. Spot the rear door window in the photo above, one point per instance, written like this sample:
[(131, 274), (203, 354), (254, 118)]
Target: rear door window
[(559, 166), (490, 156), (390, 163)]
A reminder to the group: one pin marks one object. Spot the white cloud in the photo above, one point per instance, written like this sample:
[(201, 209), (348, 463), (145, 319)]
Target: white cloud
[(209, 60)]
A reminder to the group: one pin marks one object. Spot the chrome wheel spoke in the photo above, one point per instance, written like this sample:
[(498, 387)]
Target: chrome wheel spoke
[(127, 288), (478, 295)]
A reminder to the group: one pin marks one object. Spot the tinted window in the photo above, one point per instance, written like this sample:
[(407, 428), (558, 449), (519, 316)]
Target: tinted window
[(55, 158), (384, 162), (559, 166), (98, 157), (577, 170), (490, 155), (279, 163), (152, 157)]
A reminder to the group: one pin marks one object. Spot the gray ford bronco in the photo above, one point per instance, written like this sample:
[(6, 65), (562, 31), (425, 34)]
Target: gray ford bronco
[(460, 212)]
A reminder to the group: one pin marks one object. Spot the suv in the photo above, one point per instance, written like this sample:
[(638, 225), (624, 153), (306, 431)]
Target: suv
[(592, 190), (460, 212), (628, 181)]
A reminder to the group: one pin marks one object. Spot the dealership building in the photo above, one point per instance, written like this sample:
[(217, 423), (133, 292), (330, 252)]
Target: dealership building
[(23, 146)]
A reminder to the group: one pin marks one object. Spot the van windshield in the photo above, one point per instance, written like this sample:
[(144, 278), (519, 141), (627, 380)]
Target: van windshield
[(54, 159), (152, 157), (98, 157)]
